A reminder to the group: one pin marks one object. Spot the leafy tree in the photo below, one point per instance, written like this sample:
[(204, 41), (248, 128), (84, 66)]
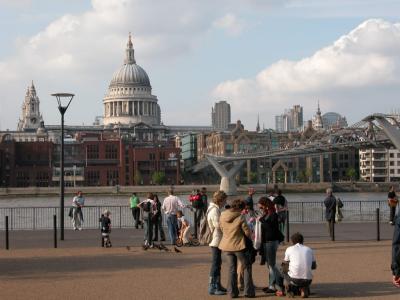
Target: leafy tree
[(351, 173), (158, 177)]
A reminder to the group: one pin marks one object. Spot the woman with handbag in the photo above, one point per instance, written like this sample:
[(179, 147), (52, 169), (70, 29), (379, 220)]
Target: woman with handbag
[(271, 236), (392, 202), (233, 243)]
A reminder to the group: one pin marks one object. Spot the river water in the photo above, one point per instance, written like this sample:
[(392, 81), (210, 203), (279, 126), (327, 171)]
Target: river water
[(95, 200)]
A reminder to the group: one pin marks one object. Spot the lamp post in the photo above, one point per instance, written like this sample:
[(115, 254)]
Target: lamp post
[(63, 100)]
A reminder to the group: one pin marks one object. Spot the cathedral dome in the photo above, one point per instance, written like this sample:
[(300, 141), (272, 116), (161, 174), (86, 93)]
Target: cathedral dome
[(130, 75)]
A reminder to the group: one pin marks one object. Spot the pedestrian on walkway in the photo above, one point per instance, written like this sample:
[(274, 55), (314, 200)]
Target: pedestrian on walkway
[(213, 215), (77, 216), (392, 202), (249, 200), (204, 199), (281, 207), (271, 236), (134, 202), (196, 201), (330, 210), (395, 266), (105, 223), (157, 221), (148, 207), (170, 206), (233, 243)]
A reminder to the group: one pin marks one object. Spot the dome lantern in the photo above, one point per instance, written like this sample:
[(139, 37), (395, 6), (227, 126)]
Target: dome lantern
[(130, 52)]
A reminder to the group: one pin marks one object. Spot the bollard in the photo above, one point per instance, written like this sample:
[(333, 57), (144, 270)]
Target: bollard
[(55, 230), (378, 229), (287, 226), (332, 230), (7, 240)]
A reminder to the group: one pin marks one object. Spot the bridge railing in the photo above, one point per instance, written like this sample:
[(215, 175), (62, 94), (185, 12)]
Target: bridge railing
[(36, 218)]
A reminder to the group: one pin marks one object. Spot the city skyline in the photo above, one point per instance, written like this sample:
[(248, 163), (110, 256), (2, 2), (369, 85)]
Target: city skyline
[(205, 55)]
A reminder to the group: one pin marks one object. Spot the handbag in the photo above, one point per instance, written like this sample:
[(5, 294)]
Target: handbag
[(71, 212)]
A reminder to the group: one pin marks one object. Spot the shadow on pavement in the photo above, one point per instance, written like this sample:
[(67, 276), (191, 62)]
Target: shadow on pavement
[(353, 290)]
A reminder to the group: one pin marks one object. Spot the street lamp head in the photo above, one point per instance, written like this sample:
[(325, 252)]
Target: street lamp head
[(63, 100)]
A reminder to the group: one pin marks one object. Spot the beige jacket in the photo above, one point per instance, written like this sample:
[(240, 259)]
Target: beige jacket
[(213, 215), (234, 228)]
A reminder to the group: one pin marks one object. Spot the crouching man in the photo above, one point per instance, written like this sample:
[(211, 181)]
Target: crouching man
[(297, 265)]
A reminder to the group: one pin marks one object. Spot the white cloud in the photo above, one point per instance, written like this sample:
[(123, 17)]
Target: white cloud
[(344, 76), (231, 24)]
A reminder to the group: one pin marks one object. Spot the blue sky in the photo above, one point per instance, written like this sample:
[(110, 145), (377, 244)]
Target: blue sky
[(260, 56)]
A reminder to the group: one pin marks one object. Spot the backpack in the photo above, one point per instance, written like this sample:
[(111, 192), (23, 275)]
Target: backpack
[(146, 206), (205, 233)]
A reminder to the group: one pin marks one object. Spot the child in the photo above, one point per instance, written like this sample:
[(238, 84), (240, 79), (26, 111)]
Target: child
[(184, 230), (105, 223)]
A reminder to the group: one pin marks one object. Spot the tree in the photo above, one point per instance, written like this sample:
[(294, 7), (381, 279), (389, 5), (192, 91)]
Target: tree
[(138, 179), (158, 177), (253, 177), (351, 173)]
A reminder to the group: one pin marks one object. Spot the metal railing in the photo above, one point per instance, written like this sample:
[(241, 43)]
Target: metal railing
[(36, 218)]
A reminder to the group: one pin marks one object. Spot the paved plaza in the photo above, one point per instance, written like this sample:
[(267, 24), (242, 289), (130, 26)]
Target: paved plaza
[(355, 266)]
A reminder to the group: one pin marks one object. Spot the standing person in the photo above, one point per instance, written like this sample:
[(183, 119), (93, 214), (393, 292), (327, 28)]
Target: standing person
[(148, 207), (157, 221), (170, 207), (204, 199), (270, 238), (134, 203), (395, 266), (234, 229), (392, 202), (281, 207), (77, 216), (213, 215), (298, 262), (197, 203), (339, 214), (330, 210)]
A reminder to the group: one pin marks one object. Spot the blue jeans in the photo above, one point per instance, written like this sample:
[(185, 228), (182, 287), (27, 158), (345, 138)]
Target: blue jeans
[(172, 224), (270, 249), (216, 262)]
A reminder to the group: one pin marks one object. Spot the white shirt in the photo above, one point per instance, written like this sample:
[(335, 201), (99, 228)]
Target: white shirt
[(300, 260), (171, 205), (78, 201), (213, 215), (152, 204)]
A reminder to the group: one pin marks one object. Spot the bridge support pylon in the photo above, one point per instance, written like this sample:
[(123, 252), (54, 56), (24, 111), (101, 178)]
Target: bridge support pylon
[(228, 182), (391, 131)]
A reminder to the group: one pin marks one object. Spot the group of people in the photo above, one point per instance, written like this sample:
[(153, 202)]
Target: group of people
[(239, 232)]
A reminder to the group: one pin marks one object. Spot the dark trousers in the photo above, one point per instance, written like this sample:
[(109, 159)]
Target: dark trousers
[(233, 289), (392, 213), (395, 266), (331, 227), (158, 228), (198, 213), (136, 215), (293, 284), (216, 262)]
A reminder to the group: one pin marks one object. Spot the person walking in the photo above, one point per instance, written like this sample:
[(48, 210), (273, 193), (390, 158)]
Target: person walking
[(134, 202), (157, 221), (213, 215), (204, 199), (170, 207), (197, 203), (77, 216), (234, 230), (148, 207), (330, 210), (392, 202), (271, 236)]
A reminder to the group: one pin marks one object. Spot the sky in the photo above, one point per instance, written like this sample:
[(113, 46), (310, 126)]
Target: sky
[(261, 56)]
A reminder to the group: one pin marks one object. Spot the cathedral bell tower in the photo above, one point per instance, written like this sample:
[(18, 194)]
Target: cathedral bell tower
[(30, 116)]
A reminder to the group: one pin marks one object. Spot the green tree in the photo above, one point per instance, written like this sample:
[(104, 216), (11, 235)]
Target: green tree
[(253, 177), (138, 178), (158, 177), (351, 173)]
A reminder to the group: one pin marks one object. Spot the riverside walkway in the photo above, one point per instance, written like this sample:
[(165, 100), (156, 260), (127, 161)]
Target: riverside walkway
[(355, 266)]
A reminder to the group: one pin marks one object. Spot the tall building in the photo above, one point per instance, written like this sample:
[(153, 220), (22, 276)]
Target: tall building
[(290, 120), (221, 115), (129, 99), (30, 116)]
